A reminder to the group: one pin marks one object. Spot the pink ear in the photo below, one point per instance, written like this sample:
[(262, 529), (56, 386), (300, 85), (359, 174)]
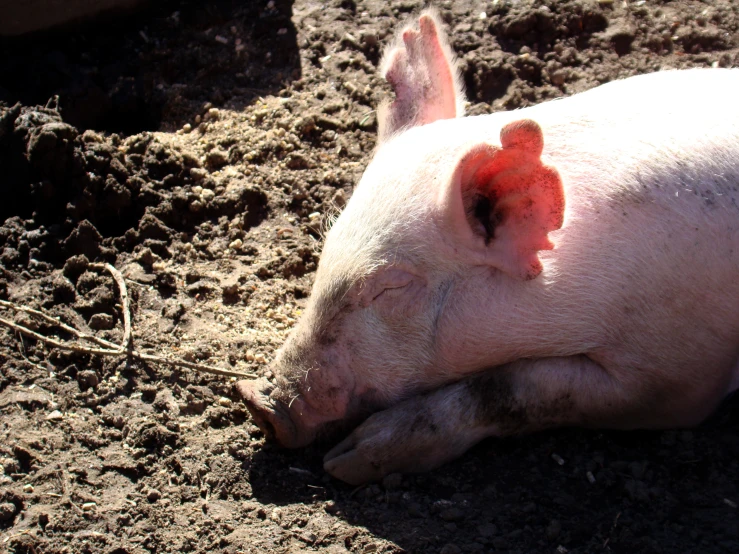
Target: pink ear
[(503, 202), (421, 68)]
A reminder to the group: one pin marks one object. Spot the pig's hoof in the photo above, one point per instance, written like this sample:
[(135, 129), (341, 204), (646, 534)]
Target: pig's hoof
[(391, 441), (418, 434), (348, 464)]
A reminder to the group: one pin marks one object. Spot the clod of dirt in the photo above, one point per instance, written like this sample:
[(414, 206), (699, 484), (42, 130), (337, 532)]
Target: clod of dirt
[(75, 266), (84, 240), (87, 379), (100, 322), (7, 511)]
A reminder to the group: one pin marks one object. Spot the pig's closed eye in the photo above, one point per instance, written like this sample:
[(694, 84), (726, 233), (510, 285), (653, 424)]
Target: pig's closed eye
[(391, 288), (392, 291)]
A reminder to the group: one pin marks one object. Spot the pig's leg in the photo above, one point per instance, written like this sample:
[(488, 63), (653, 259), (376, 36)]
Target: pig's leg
[(426, 431)]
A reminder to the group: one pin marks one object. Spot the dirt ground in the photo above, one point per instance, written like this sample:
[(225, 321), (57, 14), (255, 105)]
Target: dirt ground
[(199, 147)]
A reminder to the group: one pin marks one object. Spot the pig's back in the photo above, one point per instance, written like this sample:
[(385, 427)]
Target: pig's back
[(651, 236)]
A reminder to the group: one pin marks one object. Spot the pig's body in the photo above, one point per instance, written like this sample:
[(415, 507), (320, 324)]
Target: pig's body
[(645, 272), (482, 282)]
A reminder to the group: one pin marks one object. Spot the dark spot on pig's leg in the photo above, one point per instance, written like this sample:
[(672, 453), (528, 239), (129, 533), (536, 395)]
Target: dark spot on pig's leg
[(423, 422), (492, 393)]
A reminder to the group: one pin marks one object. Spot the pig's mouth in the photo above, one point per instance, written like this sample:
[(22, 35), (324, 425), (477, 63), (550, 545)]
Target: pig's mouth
[(271, 414), (290, 420)]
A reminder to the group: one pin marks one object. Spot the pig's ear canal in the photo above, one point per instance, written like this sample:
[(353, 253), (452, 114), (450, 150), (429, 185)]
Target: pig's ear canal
[(510, 201)]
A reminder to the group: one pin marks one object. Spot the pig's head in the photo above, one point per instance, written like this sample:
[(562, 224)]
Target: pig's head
[(434, 206)]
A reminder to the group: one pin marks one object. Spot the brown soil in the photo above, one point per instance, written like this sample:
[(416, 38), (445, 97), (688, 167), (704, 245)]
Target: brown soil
[(198, 147)]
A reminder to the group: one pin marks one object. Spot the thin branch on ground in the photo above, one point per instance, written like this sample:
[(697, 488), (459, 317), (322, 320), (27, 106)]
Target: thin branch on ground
[(109, 349), (56, 321), (125, 302)]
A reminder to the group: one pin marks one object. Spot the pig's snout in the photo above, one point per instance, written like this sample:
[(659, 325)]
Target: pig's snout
[(271, 414)]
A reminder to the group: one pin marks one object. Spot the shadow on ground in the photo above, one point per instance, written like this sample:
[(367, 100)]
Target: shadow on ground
[(129, 73), (572, 490)]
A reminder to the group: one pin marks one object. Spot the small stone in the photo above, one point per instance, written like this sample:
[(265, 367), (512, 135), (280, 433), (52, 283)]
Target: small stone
[(198, 174), (207, 195), (28, 488), (75, 266), (558, 77), (9, 466), (153, 495), (529, 508), (230, 292), (7, 511), (236, 244), (340, 198), (145, 256), (557, 458), (99, 322), (87, 379), (216, 158), (196, 206), (225, 402), (186, 128), (89, 506), (250, 357), (56, 414)]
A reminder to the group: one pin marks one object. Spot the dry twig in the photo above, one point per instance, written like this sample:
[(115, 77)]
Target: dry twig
[(125, 302), (107, 348)]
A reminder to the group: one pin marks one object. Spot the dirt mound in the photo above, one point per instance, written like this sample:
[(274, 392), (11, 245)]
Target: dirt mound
[(200, 147)]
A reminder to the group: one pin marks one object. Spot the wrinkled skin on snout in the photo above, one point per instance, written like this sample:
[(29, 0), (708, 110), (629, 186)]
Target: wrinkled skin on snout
[(573, 263)]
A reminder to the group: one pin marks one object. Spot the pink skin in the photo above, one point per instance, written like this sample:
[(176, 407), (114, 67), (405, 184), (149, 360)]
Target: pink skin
[(328, 388), (573, 263)]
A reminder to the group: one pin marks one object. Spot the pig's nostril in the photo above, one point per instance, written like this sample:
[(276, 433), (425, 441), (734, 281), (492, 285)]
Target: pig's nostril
[(264, 424)]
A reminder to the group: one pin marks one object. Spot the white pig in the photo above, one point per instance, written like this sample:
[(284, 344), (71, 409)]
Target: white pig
[(572, 263)]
